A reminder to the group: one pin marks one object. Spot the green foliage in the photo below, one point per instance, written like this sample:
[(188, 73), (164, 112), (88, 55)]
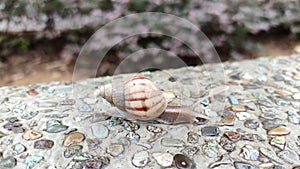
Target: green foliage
[(9, 44)]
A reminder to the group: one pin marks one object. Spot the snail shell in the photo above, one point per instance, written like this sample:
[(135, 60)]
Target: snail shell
[(137, 96)]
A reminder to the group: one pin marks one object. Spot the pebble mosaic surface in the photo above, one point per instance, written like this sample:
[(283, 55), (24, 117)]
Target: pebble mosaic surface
[(254, 124)]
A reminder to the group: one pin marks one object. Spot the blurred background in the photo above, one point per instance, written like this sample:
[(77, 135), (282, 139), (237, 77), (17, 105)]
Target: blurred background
[(40, 39)]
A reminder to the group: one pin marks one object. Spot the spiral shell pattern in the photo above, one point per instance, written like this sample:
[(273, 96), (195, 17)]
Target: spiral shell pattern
[(137, 95)]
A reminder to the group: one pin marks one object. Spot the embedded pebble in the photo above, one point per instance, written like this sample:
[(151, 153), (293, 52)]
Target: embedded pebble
[(55, 126), (243, 165), (85, 108), (296, 96), (225, 160), (270, 154), (100, 130), (249, 153), (73, 138), (210, 131), (190, 150), (83, 156), (251, 124), (8, 162), (19, 148), (171, 142), (242, 116), (133, 136), (279, 131), (289, 156), (233, 100), (233, 136), (29, 115), (43, 144), (115, 149), (192, 138), (238, 108), (31, 135), (278, 141), (210, 149), (140, 159), (67, 102), (32, 161), (183, 162), (73, 150), (163, 159)]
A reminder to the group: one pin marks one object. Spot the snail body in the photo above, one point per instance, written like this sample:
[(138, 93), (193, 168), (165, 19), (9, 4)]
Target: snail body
[(141, 99)]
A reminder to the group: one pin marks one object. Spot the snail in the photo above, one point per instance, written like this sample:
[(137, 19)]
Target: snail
[(137, 97)]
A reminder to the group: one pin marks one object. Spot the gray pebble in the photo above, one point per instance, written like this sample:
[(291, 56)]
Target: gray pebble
[(140, 159), (100, 131), (171, 142)]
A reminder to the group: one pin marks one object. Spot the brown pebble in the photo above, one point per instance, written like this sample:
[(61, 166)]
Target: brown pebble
[(279, 131), (32, 92), (238, 108), (43, 144), (115, 149), (31, 135), (233, 136), (283, 93), (73, 138)]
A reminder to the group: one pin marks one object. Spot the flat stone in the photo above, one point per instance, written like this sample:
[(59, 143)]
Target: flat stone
[(242, 116), (73, 138), (270, 154), (296, 96), (270, 124), (227, 120), (83, 156), (67, 102), (210, 149), (57, 116), (225, 160), (55, 126), (73, 150), (226, 144), (163, 159), (85, 108), (19, 148), (210, 131), (8, 162), (31, 135), (32, 161), (171, 142), (278, 141), (100, 131), (115, 149), (190, 150), (29, 115), (43, 144), (249, 153), (140, 159), (233, 136), (193, 137), (279, 131), (16, 127), (251, 124), (289, 156), (32, 92), (283, 93), (238, 108), (243, 165), (233, 100), (134, 136)]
